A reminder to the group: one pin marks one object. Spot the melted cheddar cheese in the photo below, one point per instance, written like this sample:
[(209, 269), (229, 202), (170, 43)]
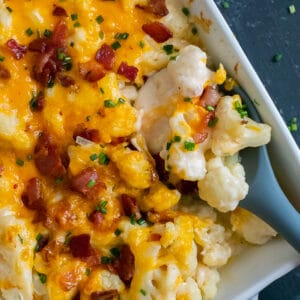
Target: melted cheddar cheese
[(85, 212)]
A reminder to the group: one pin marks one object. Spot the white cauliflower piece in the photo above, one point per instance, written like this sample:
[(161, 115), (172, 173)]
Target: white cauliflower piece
[(207, 280), (224, 185), (189, 71), (5, 16), (250, 227), (232, 133), (189, 290)]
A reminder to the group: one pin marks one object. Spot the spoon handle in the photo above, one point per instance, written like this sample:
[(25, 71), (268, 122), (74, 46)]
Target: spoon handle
[(271, 204)]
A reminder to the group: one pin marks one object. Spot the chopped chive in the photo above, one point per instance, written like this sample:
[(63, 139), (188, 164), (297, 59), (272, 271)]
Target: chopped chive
[(20, 162), (213, 122), (209, 108), (60, 54), (58, 180), (93, 156), (141, 44), (29, 31), (88, 271), (116, 45), (101, 207), (292, 9), (168, 146), (106, 260), (168, 49), (67, 238), (185, 11), (122, 36), (9, 9), (189, 146), (101, 90), (109, 103), (115, 252), (173, 57), (43, 277), (121, 101), (225, 4), (118, 232), (141, 221), (277, 57), (76, 24), (88, 118), (194, 30), (47, 33), (38, 237), (293, 126), (99, 19), (103, 159), (241, 109), (177, 138), (101, 35), (20, 239), (2, 58), (91, 183), (74, 17), (143, 292), (132, 219), (187, 99), (72, 44)]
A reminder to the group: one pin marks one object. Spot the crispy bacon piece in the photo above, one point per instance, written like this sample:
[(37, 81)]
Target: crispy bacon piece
[(91, 71), (105, 56), (59, 35), (130, 207), (201, 135), (130, 72), (59, 11), (4, 73), (160, 168), (156, 7), (186, 187), (210, 96), (33, 195), (96, 217), (89, 134), (124, 265), (104, 295), (86, 182), (65, 80), (47, 158), (158, 31), (38, 45), (17, 50), (80, 247)]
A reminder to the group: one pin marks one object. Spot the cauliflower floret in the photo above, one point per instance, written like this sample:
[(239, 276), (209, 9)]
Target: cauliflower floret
[(250, 227), (224, 184), (189, 71), (207, 280), (233, 133), (189, 290), (160, 198), (5, 16), (134, 168)]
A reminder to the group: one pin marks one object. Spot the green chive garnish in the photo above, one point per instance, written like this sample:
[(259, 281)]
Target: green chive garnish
[(185, 11), (99, 19), (91, 183), (29, 31), (116, 45), (189, 146), (20, 162), (43, 277)]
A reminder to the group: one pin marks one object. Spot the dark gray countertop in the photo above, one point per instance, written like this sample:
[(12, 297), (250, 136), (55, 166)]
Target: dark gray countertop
[(265, 28)]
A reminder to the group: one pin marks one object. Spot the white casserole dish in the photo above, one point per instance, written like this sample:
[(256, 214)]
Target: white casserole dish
[(256, 267)]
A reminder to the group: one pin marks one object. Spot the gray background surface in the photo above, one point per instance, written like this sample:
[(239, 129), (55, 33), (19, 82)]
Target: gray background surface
[(265, 28)]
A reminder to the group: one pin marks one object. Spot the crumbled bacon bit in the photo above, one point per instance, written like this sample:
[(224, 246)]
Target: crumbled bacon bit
[(156, 7), (210, 96), (96, 217), (33, 195), (200, 137), (4, 73), (59, 35), (59, 11), (186, 187), (160, 168), (80, 246), (124, 265), (130, 207), (155, 237), (65, 80), (16, 49), (105, 56), (91, 71), (130, 72), (38, 45), (47, 158), (82, 181), (104, 295), (158, 31), (89, 134)]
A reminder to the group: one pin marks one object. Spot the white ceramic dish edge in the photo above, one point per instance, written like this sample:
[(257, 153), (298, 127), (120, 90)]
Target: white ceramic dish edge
[(247, 274)]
